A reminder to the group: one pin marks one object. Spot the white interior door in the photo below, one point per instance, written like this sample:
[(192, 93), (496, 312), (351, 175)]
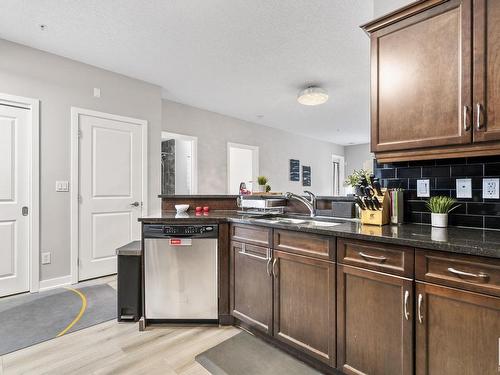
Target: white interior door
[(242, 166), (110, 154), (14, 194)]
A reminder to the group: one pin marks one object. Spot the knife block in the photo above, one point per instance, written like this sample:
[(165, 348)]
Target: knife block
[(379, 217)]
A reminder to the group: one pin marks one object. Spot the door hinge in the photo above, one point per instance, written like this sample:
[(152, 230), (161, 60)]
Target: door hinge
[(25, 211), (79, 133), (80, 199)]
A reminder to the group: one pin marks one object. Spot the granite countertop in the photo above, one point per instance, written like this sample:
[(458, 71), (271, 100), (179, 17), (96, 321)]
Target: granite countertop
[(457, 240)]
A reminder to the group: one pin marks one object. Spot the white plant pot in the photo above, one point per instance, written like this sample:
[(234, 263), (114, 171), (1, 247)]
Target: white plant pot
[(439, 220), (261, 188), (439, 234)]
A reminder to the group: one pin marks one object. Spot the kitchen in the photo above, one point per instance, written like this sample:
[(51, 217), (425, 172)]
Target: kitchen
[(278, 206)]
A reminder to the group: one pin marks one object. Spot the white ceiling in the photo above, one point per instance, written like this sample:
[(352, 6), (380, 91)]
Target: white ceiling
[(242, 58)]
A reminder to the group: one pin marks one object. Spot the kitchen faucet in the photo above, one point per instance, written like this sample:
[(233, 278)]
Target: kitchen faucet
[(310, 203)]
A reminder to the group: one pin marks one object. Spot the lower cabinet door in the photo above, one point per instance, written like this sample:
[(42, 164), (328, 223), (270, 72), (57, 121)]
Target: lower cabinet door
[(374, 322), (457, 332), (304, 304), (251, 285)]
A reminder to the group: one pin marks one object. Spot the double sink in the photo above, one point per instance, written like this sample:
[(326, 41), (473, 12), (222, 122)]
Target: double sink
[(299, 222)]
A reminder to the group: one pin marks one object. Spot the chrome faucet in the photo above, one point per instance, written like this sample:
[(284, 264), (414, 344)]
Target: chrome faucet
[(310, 203)]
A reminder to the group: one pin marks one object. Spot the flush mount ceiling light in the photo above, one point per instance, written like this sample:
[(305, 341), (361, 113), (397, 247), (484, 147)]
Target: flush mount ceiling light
[(312, 95)]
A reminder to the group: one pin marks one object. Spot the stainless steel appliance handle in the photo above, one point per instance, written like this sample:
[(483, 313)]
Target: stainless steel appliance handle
[(407, 313), (420, 316), (380, 259), (483, 277), (274, 269), (479, 113), (466, 118)]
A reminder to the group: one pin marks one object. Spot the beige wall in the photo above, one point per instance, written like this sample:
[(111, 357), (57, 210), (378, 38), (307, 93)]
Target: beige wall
[(276, 147), (358, 157), (61, 83)]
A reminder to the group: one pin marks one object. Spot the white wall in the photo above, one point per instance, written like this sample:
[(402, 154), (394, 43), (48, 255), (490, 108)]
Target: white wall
[(358, 157), (60, 83), (276, 147), (382, 7)]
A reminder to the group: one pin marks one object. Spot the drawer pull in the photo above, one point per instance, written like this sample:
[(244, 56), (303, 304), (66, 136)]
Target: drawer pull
[(420, 316), (407, 313), (372, 257), (482, 277)]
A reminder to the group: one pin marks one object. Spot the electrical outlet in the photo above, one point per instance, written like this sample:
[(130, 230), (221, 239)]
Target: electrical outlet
[(97, 92), (62, 186), (46, 258), (424, 188), (491, 188), (464, 188)]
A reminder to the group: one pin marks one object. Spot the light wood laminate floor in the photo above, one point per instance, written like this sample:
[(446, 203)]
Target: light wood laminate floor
[(118, 348)]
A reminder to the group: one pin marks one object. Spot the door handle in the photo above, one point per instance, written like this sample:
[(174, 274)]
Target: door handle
[(420, 316), (466, 119), (135, 204), (479, 116), (274, 269), (269, 259), (406, 312), (372, 257)]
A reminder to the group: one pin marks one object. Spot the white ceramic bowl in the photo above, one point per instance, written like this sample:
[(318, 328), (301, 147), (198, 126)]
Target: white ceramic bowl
[(181, 207)]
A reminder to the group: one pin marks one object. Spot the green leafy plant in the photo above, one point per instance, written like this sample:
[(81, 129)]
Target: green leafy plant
[(262, 180), (355, 177), (268, 188), (441, 204)]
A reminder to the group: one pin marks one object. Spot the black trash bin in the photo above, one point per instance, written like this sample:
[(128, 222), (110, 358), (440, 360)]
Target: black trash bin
[(129, 282)]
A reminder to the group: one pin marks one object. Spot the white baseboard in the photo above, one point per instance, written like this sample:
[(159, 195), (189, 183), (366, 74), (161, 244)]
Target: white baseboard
[(55, 282)]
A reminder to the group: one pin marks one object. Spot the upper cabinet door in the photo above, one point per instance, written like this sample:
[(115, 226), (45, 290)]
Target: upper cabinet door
[(486, 70), (421, 78)]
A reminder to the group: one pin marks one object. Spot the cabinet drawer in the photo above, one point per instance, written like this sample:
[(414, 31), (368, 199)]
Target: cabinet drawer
[(460, 271), (393, 259), (251, 234), (312, 245)]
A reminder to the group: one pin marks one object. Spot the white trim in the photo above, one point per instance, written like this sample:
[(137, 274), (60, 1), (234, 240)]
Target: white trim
[(56, 282), (255, 162), (194, 156), (74, 179), (34, 183), (341, 160)]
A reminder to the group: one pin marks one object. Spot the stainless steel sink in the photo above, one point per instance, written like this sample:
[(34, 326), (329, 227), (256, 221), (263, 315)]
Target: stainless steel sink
[(323, 223), (287, 220)]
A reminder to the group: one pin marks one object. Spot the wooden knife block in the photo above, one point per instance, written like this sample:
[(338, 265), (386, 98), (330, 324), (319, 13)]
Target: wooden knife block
[(379, 217)]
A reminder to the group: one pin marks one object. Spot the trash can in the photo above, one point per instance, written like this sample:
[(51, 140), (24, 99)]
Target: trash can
[(129, 282)]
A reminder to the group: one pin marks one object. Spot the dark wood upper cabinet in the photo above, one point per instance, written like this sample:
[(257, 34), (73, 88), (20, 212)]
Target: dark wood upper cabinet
[(374, 322), (486, 70), (251, 285), (457, 332), (304, 304), (435, 70)]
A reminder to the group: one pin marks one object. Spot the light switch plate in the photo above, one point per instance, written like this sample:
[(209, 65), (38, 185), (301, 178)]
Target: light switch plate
[(464, 188), (62, 186), (97, 92), (424, 188), (491, 188), (46, 257)]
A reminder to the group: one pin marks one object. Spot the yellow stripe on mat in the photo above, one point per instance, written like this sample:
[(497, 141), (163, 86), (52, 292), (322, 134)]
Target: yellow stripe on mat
[(78, 317)]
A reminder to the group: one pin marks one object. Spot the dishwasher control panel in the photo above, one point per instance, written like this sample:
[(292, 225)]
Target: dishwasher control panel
[(165, 230)]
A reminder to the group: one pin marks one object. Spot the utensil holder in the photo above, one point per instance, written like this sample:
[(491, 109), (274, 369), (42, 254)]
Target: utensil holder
[(378, 217)]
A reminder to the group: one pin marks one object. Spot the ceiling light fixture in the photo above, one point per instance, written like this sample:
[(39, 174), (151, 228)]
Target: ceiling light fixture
[(312, 95)]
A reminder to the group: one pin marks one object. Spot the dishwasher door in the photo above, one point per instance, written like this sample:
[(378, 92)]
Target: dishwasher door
[(181, 280)]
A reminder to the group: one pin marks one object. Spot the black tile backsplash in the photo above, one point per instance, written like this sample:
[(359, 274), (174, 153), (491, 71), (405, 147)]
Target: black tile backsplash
[(473, 212)]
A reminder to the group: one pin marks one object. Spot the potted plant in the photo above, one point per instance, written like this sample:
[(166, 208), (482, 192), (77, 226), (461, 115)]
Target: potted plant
[(354, 178), (440, 207), (262, 181)]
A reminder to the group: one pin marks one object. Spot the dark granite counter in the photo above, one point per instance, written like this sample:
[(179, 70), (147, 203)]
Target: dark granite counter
[(457, 240)]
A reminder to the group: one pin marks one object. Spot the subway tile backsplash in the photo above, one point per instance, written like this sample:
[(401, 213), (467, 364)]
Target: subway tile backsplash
[(473, 212)]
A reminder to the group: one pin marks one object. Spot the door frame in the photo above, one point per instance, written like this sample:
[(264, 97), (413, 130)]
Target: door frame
[(341, 160), (255, 163), (194, 156), (75, 176), (33, 105)]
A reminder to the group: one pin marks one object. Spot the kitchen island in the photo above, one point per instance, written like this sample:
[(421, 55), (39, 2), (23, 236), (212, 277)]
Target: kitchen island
[(359, 299)]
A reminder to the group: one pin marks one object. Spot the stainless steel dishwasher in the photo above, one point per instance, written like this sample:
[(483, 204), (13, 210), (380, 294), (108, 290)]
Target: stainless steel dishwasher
[(180, 273)]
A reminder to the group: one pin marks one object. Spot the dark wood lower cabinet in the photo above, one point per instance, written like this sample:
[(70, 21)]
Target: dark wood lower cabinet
[(374, 322), (304, 304), (251, 287), (457, 332)]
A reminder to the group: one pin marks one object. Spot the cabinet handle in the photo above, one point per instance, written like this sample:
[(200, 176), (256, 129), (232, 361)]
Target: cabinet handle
[(420, 316), (479, 116), (274, 269), (483, 277), (372, 257), (466, 118), (407, 313), (269, 259)]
